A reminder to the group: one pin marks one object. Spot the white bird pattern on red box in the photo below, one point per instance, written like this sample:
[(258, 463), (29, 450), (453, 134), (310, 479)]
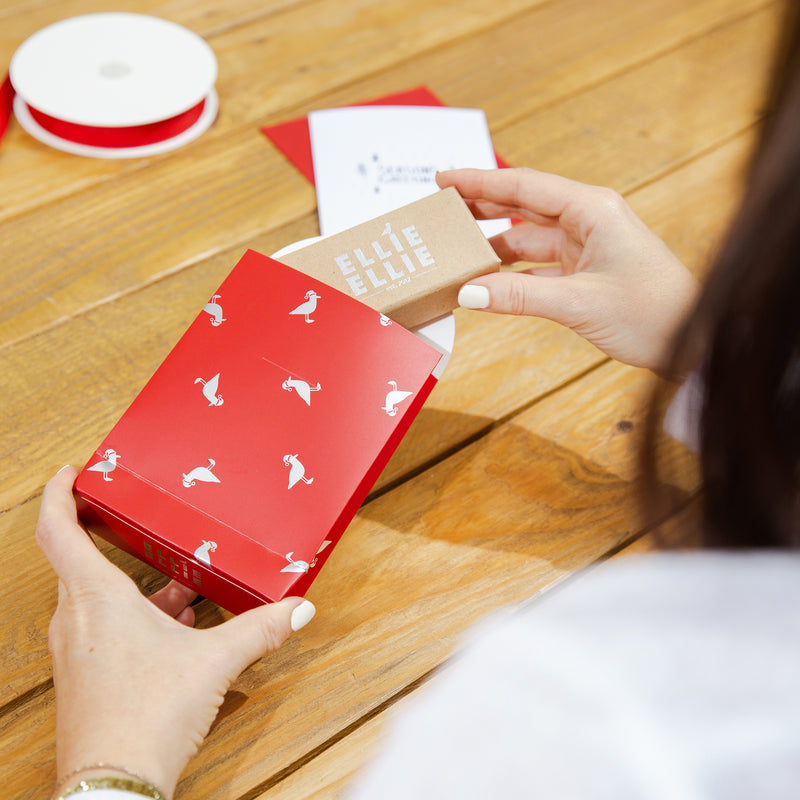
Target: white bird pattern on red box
[(302, 388), (297, 472), (203, 474), (309, 307), (303, 566), (107, 466), (210, 388), (394, 397), (213, 308), (202, 552), (335, 441)]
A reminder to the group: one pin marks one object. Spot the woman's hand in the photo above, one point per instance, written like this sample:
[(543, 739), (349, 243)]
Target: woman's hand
[(616, 283), (136, 686)]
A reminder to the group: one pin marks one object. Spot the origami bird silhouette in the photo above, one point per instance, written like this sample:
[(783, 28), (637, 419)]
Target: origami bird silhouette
[(309, 307), (393, 398), (297, 471), (303, 388), (215, 309), (210, 390), (203, 474), (107, 466)]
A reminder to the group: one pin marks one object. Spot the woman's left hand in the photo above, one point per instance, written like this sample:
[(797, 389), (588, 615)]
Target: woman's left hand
[(137, 686)]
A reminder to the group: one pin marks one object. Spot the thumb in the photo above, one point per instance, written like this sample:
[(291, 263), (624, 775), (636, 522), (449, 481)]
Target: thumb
[(519, 293), (261, 630), (67, 546)]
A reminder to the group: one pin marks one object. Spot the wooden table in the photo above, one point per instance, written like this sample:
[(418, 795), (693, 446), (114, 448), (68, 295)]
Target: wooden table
[(519, 471)]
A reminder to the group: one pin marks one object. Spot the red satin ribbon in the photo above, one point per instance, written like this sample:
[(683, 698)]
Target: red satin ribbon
[(132, 136), (6, 103)]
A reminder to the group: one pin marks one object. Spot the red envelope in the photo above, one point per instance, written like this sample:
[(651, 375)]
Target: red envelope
[(294, 140), (239, 465)]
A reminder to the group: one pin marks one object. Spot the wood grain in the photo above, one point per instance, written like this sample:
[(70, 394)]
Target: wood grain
[(90, 346), (227, 190), (437, 429), (519, 473), (504, 518), (276, 57), (500, 364)]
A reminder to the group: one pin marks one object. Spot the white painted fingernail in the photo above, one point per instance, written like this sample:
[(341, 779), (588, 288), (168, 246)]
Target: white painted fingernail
[(472, 296), (302, 615)]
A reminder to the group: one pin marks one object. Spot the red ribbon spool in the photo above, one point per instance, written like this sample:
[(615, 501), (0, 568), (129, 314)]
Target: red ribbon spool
[(133, 136)]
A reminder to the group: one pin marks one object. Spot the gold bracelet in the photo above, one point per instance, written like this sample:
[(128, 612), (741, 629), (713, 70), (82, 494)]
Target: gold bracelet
[(131, 783), (124, 784)]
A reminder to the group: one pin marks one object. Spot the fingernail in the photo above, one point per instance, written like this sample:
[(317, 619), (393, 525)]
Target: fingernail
[(472, 296), (66, 466), (302, 615)]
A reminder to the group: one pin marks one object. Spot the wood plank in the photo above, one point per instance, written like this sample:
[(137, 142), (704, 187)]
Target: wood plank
[(685, 215), (474, 382), (652, 119), (221, 193), (21, 19), (35, 172), (552, 510), (264, 66), (681, 531), (66, 388), (486, 381), (538, 61), (326, 775), (600, 41), (519, 472)]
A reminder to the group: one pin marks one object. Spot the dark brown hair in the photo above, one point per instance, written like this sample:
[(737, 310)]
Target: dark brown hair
[(744, 335)]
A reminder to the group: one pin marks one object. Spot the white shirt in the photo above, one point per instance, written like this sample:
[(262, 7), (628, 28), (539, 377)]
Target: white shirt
[(670, 676)]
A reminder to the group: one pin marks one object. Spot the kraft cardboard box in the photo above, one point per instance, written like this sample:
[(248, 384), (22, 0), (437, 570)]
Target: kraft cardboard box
[(241, 462), (408, 264)]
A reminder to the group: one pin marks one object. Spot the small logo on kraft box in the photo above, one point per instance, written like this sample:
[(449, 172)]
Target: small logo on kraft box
[(389, 261)]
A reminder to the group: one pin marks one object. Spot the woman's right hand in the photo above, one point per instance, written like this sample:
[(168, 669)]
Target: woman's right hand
[(615, 282)]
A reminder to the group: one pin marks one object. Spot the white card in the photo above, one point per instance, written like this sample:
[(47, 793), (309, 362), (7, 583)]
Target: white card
[(369, 160)]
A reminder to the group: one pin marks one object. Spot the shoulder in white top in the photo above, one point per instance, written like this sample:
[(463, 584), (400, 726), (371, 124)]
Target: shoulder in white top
[(670, 676)]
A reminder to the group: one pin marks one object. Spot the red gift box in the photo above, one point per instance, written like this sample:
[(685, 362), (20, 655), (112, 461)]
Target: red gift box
[(246, 455)]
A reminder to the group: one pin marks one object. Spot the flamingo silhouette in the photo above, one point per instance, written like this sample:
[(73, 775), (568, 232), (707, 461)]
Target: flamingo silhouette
[(393, 398), (309, 307), (107, 466), (210, 390), (297, 471), (201, 554), (303, 389), (201, 474), (215, 309)]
